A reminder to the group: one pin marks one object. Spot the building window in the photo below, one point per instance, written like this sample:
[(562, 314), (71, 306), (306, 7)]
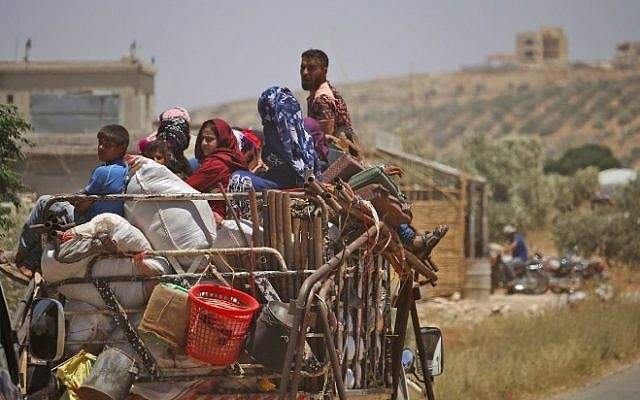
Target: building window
[(9, 99), (73, 112)]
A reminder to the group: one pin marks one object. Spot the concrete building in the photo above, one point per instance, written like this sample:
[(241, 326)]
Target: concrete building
[(546, 46), (627, 53), (66, 103)]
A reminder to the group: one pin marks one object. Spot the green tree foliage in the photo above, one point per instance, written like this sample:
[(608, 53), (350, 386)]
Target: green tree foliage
[(518, 187), (609, 231), (571, 192), (581, 157), (12, 129)]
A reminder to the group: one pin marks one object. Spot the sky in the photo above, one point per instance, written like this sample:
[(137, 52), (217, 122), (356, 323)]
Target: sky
[(209, 52)]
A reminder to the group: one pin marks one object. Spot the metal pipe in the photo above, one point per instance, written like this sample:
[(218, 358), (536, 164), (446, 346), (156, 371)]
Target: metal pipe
[(224, 251), (179, 278), (400, 330), (298, 306)]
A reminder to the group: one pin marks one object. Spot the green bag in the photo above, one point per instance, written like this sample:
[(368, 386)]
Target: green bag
[(376, 175)]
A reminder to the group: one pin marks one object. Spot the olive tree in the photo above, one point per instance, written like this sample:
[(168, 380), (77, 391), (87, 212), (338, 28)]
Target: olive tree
[(12, 129)]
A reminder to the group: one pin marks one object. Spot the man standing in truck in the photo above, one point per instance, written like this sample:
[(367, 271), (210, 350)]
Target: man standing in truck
[(325, 104)]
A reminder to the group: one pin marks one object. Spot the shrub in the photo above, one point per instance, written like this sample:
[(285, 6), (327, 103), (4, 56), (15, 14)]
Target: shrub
[(581, 157), (12, 128), (607, 231)]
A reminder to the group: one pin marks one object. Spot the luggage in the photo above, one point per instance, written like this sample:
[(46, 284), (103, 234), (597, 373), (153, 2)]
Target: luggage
[(344, 167), (377, 175), (169, 225), (167, 314), (389, 208)]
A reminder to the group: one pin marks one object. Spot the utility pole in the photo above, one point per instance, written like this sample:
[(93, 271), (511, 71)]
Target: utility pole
[(27, 48)]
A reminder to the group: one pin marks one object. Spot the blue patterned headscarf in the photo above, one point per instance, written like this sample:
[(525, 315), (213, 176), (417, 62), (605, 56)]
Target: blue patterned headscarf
[(286, 141)]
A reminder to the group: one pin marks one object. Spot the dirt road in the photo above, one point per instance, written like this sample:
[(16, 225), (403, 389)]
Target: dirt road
[(623, 385)]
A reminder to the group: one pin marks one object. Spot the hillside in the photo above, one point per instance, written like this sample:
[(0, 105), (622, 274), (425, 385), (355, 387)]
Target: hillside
[(433, 113)]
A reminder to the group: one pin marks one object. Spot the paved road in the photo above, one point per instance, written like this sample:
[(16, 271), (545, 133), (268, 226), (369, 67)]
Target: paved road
[(623, 385)]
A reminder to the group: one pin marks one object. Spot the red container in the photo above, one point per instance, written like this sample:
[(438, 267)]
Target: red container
[(219, 318)]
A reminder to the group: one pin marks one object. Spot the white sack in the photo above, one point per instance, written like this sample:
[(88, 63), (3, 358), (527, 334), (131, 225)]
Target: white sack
[(175, 225), (126, 237), (86, 327), (129, 294)]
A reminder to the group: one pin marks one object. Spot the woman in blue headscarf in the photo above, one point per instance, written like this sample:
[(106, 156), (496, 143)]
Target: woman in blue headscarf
[(288, 151)]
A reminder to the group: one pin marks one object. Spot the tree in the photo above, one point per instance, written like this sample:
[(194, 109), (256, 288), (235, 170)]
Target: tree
[(581, 157), (608, 231), (12, 129), (519, 191)]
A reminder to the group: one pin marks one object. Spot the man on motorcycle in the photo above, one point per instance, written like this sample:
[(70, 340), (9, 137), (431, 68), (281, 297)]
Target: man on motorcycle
[(516, 245)]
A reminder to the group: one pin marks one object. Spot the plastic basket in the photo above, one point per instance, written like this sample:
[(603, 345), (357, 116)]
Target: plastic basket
[(219, 318)]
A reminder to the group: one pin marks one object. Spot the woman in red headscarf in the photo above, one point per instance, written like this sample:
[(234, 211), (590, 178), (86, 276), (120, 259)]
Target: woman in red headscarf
[(219, 155)]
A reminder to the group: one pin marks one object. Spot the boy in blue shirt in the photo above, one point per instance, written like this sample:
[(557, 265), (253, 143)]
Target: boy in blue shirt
[(108, 178)]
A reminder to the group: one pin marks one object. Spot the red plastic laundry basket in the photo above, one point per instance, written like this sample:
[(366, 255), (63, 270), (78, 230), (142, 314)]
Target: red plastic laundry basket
[(219, 318)]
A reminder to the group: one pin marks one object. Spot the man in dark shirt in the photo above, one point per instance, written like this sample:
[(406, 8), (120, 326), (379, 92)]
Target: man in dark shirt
[(516, 244), (325, 104)]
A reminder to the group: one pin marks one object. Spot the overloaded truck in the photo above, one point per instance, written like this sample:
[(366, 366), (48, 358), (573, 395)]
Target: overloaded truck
[(303, 294)]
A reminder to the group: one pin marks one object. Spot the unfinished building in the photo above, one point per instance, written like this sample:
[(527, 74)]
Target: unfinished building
[(628, 53), (546, 46), (66, 103)]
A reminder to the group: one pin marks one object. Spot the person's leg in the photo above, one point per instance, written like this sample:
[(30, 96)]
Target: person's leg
[(30, 245)]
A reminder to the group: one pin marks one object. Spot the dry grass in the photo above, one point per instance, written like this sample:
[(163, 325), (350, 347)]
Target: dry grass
[(519, 356), (9, 243)]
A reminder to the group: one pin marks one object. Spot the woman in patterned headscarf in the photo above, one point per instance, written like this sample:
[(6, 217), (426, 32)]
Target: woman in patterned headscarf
[(175, 132), (289, 150)]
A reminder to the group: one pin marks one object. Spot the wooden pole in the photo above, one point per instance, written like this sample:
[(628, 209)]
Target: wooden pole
[(286, 223)]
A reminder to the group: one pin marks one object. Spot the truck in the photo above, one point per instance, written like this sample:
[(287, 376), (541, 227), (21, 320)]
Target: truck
[(323, 254)]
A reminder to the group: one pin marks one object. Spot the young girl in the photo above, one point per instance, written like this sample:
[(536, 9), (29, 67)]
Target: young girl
[(219, 156), (158, 151)]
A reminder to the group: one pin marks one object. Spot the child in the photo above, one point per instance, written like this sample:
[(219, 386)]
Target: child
[(108, 178), (219, 155), (158, 151)]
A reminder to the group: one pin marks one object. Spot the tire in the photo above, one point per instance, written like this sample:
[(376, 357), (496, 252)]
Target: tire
[(541, 284)]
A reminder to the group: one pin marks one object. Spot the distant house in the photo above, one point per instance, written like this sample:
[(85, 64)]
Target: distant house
[(628, 53), (66, 102), (546, 46)]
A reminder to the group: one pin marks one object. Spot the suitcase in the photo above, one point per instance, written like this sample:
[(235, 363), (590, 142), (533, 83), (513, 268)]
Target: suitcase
[(390, 210), (344, 168), (377, 175)]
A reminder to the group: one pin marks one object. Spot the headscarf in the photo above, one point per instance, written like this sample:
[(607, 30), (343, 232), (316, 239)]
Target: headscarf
[(216, 168), (175, 132), (319, 139), (286, 141), (175, 112)]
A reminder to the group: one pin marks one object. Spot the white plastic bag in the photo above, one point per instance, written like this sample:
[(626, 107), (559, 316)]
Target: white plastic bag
[(171, 225)]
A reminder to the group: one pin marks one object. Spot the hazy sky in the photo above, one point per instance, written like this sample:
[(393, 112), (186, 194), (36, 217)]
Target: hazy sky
[(213, 51)]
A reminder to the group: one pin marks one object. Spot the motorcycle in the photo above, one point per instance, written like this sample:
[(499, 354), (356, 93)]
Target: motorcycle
[(525, 277), (569, 273)]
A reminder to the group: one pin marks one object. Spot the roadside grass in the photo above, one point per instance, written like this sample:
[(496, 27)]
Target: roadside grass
[(519, 356)]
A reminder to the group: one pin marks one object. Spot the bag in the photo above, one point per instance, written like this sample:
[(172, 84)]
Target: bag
[(389, 208), (344, 168), (169, 225), (167, 314), (129, 294), (377, 175), (104, 234)]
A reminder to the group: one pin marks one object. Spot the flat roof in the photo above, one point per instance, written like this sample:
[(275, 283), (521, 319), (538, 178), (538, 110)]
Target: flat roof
[(122, 65)]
